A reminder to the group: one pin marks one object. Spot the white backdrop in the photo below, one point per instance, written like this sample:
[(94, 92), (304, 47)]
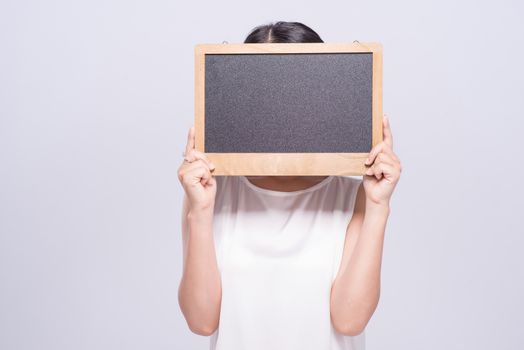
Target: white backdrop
[(95, 101)]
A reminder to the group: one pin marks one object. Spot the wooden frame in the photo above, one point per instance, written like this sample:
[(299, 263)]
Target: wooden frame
[(287, 163)]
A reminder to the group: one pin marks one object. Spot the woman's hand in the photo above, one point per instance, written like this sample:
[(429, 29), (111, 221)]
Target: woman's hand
[(195, 176), (383, 174)]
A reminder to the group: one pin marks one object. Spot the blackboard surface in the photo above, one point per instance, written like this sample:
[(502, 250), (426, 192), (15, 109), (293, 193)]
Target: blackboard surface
[(286, 103)]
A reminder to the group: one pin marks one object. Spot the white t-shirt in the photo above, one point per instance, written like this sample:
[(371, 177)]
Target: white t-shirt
[(278, 254)]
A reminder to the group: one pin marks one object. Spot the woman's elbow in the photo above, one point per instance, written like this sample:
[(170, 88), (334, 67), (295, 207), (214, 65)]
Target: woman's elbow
[(199, 317), (352, 320), (349, 328), (201, 323), (348, 322), (202, 328)]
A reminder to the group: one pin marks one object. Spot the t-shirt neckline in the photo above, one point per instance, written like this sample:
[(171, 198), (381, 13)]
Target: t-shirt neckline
[(286, 193)]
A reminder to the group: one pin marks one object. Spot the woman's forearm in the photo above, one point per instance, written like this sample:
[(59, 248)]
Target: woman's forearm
[(357, 291), (200, 289)]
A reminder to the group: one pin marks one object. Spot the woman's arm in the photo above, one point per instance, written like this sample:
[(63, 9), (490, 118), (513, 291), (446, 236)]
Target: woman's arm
[(200, 291), (356, 289)]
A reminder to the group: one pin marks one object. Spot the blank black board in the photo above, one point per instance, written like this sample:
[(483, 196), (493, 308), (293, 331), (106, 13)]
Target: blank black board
[(290, 102)]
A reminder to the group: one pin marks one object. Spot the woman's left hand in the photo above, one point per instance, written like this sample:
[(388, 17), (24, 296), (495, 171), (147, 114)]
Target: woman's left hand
[(382, 176)]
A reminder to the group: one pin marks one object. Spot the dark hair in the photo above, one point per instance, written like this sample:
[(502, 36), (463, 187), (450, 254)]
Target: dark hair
[(283, 32)]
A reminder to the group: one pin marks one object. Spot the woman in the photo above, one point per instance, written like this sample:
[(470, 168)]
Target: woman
[(283, 262)]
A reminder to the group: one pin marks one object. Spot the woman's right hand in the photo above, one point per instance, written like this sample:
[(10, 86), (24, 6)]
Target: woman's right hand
[(195, 176)]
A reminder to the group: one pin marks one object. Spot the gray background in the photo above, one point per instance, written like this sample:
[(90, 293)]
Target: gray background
[(95, 101)]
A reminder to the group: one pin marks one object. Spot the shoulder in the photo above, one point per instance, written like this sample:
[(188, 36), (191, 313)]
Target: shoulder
[(358, 195), (227, 189), (350, 189), (221, 182)]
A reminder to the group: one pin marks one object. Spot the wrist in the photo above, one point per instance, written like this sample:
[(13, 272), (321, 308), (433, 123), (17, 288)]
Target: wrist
[(200, 213), (200, 222), (382, 209)]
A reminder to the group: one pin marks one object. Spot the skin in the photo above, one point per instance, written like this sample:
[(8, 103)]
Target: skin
[(356, 289)]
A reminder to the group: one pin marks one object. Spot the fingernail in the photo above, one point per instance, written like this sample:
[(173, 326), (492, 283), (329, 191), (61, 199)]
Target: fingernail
[(211, 165), (367, 161)]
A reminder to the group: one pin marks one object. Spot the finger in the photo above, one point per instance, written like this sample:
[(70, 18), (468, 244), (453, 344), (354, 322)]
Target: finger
[(386, 170), (392, 158), (380, 147), (190, 140), (194, 154), (199, 163), (206, 176), (390, 154), (389, 161), (380, 170), (187, 167), (395, 158), (388, 136), (199, 172), (372, 171), (384, 157), (195, 164)]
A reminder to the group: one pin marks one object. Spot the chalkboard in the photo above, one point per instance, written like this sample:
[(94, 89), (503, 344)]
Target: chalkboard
[(276, 109)]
